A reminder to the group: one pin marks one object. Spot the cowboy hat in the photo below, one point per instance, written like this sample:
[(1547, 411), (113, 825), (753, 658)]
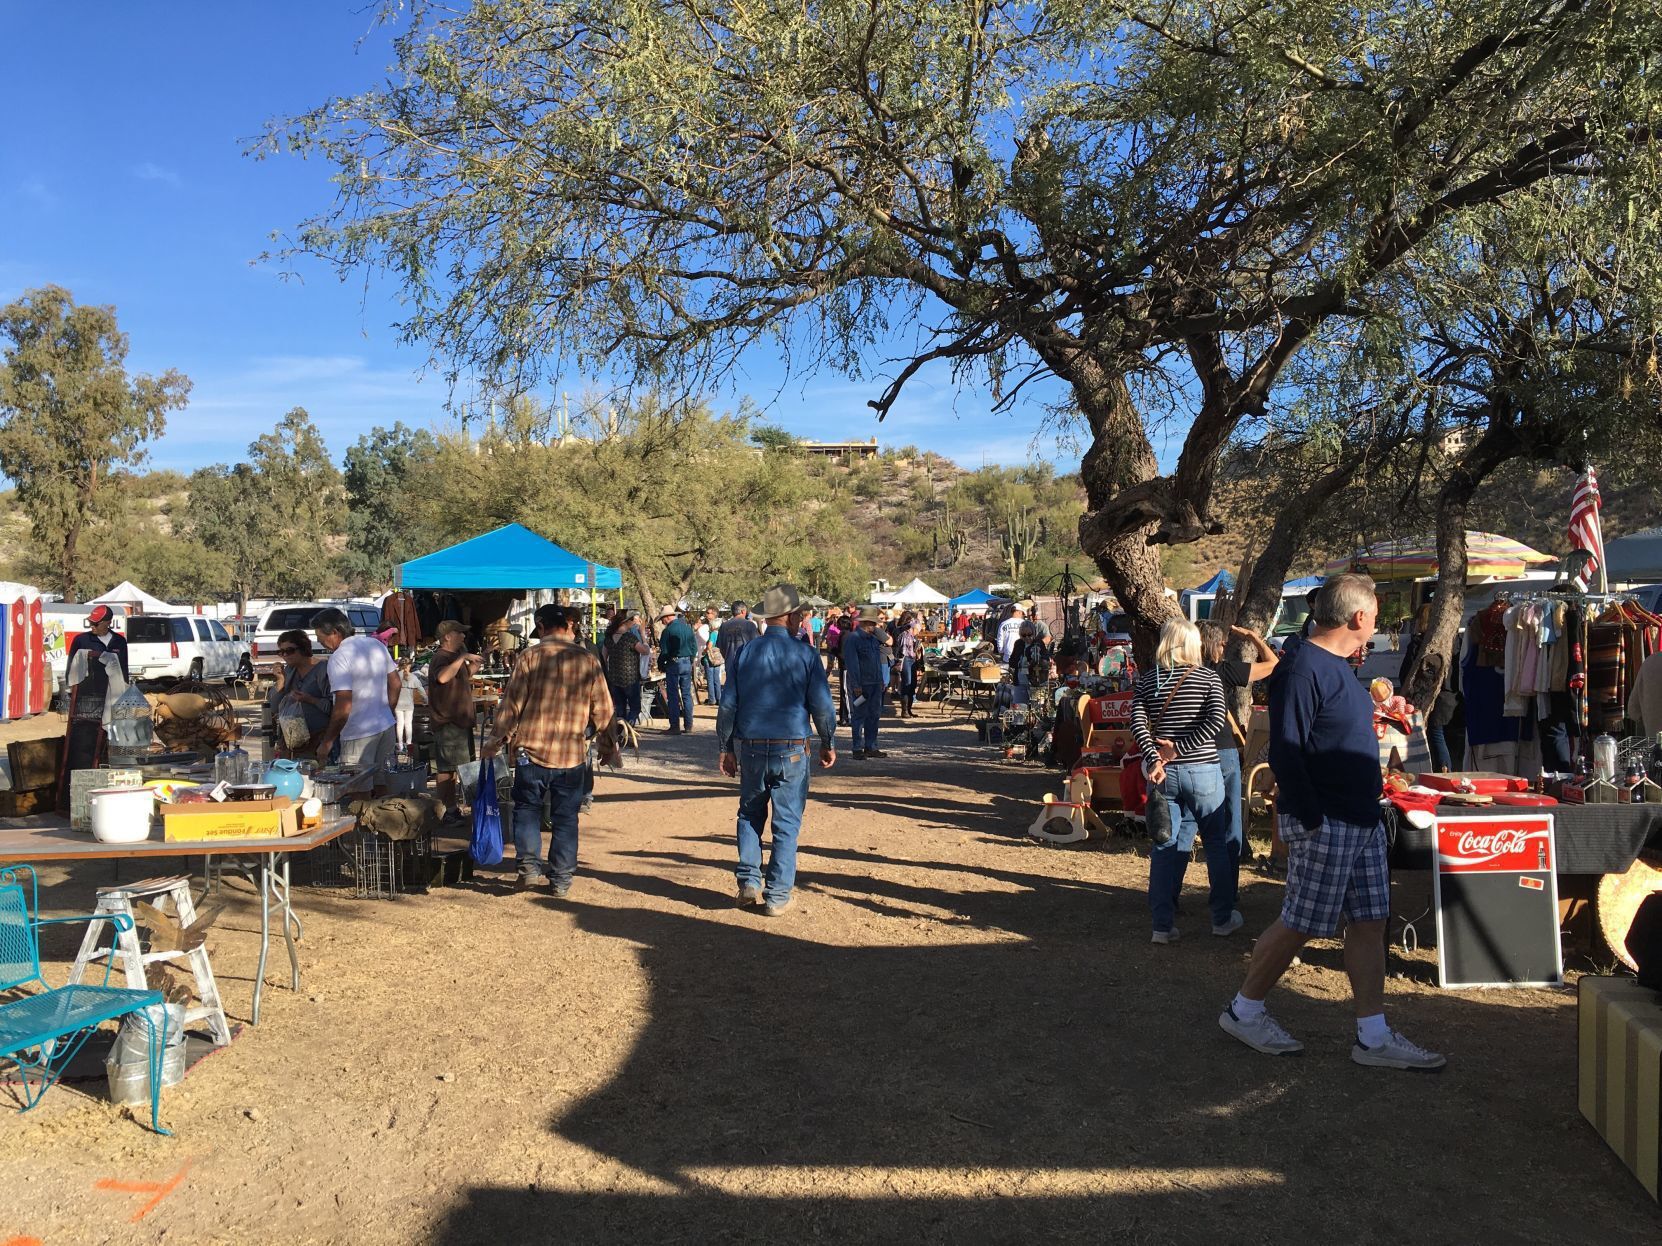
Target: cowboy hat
[(779, 600)]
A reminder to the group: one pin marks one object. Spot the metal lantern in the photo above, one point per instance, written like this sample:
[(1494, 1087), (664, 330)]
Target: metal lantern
[(131, 724)]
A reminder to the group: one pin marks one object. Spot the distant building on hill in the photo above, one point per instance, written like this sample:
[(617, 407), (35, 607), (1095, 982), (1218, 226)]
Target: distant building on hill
[(853, 451)]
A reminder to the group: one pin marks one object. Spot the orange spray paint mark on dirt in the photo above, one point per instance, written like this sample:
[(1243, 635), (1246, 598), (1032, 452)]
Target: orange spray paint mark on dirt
[(158, 1190)]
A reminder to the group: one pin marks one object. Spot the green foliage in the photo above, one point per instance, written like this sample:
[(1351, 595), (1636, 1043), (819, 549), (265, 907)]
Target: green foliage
[(69, 413), (771, 437), (378, 470), (272, 519), (677, 496), (1186, 196)]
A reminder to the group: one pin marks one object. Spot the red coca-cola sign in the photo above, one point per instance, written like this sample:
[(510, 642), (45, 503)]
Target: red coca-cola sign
[(1115, 707), (1494, 845)]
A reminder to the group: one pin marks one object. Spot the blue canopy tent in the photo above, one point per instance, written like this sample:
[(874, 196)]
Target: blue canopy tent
[(975, 599), (512, 559)]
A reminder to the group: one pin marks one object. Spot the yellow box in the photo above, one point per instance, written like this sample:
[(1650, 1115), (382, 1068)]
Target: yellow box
[(242, 819), (1620, 1071)]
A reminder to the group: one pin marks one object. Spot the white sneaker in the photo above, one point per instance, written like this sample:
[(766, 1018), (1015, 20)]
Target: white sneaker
[(1262, 1033), (1167, 936), (1396, 1052), (1235, 922)]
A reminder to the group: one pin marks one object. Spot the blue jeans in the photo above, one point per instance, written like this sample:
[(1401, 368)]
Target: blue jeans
[(626, 701), (678, 691), (562, 791), (712, 678), (864, 718), (908, 678), (1437, 742), (1197, 794), (776, 775), (1229, 765)]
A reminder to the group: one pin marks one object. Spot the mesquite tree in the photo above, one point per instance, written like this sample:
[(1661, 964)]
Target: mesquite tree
[(1158, 205)]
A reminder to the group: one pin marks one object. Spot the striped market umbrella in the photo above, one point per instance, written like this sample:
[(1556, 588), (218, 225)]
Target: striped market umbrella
[(1487, 554)]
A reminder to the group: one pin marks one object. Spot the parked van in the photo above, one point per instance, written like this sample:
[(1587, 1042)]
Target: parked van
[(297, 616), (184, 646)]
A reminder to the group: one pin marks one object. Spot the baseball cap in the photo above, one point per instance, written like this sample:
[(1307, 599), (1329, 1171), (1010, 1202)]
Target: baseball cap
[(100, 613), (448, 626)]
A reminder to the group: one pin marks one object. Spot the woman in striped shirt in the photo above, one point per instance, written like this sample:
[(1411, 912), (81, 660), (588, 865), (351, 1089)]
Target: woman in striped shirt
[(1176, 713)]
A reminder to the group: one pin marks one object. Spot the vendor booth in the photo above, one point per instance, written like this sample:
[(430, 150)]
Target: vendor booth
[(976, 601), (135, 599), (476, 581)]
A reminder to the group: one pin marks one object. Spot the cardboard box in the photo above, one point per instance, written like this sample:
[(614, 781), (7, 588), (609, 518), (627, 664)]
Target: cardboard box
[(231, 819), (1620, 1071)]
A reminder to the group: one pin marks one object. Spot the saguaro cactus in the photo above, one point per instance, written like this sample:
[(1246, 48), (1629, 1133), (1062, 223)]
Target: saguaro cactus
[(1019, 539)]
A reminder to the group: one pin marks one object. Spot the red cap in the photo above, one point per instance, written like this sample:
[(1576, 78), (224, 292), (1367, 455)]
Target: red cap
[(99, 613)]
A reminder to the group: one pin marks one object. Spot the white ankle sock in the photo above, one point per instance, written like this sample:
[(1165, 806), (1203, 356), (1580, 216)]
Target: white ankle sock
[(1246, 1009), (1372, 1031)]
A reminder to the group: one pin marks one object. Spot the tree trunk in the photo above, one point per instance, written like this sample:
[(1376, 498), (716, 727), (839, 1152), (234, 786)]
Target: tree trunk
[(649, 602), (1120, 456), (1262, 597), (1421, 683)]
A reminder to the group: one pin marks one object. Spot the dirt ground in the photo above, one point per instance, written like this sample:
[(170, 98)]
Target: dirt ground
[(954, 1035)]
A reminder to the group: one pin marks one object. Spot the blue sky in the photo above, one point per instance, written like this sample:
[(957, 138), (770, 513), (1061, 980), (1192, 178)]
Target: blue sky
[(127, 184)]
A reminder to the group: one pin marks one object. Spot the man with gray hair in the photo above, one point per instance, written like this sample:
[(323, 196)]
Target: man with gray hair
[(365, 683), (1326, 762)]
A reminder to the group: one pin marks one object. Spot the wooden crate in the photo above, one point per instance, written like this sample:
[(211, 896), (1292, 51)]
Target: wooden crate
[(1620, 1072)]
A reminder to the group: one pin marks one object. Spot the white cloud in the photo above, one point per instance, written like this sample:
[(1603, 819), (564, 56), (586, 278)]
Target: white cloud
[(150, 171), (345, 395)]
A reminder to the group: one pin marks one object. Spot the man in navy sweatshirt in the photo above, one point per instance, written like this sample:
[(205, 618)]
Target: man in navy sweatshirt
[(1326, 761)]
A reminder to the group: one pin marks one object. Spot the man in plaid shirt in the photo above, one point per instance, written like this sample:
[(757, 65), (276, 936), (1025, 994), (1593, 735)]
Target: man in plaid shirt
[(1326, 762), (556, 693)]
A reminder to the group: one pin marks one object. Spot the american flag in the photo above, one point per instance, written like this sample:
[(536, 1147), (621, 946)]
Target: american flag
[(1586, 530)]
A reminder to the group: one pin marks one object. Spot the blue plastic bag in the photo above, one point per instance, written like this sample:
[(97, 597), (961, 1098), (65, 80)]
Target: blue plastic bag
[(486, 848)]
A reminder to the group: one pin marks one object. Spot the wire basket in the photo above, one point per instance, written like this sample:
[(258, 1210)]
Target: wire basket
[(366, 863)]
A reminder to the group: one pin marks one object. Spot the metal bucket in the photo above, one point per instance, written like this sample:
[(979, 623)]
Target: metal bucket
[(128, 1066)]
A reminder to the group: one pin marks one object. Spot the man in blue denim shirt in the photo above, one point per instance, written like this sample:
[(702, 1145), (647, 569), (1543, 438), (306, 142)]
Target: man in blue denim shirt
[(776, 695)]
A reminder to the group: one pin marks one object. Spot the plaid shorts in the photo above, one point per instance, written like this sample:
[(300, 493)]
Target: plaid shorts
[(1339, 871)]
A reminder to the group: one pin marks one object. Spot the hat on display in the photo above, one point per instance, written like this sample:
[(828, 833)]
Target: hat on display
[(779, 600)]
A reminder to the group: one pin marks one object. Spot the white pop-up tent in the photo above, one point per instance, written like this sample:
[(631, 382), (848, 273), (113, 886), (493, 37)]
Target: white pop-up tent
[(127, 593), (917, 593)]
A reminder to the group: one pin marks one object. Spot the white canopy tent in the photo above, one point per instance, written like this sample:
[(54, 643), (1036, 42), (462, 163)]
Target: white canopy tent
[(917, 593), (127, 593)]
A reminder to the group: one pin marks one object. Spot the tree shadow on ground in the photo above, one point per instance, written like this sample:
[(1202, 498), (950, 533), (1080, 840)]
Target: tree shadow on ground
[(1058, 1085)]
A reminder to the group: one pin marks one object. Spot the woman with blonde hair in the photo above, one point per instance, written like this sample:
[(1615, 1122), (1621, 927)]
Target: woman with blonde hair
[(1176, 713)]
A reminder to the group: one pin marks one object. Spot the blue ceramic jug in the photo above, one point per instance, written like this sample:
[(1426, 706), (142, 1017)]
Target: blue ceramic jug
[(284, 775)]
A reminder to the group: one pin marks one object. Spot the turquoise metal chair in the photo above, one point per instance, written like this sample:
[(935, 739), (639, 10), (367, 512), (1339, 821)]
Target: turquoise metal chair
[(42, 1032)]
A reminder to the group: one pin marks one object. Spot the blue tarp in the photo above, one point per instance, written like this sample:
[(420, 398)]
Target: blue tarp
[(975, 597), (512, 557), (1306, 583)]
